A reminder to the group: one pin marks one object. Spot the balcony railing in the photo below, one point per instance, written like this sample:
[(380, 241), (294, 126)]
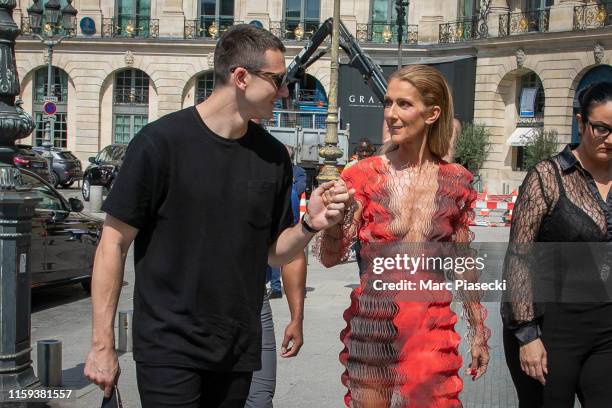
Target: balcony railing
[(27, 29), (306, 120), (463, 30), (130, 26), (524, 22), (296, 30), (208, 26), (384, 33), (128, 95), (592, 16)]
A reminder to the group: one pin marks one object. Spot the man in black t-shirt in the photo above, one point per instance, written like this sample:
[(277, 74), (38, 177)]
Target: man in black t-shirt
[(205, 194)]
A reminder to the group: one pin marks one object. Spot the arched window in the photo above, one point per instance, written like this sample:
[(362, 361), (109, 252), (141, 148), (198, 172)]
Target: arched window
[(59, 90), (301, 12), (130, 104), (204, 86), (532, 80)]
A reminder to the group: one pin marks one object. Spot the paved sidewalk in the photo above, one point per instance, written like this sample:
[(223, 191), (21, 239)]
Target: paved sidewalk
[(310, 380)]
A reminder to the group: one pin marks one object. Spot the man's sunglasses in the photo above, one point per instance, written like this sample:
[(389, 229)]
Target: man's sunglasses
[(279, 80)]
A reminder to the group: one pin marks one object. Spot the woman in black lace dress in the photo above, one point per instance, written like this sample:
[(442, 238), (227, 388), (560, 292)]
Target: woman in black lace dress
[(557, 314)]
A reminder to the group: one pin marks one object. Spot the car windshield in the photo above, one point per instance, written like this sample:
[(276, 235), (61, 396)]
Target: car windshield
[(118, 153), (66, 156), (49, 199)]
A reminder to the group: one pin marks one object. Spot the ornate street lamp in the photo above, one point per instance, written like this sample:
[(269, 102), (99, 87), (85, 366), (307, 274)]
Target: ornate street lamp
[(16, 210), (330, 151), (58, 25)]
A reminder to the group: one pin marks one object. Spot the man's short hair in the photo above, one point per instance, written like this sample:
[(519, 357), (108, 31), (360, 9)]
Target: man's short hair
[(243, 45)]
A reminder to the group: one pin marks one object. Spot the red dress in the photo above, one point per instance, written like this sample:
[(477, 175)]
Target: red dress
[(403, 351)]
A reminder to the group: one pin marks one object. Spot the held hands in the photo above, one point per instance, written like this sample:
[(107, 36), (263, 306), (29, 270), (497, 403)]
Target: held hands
[(327, 204), (102, 368), (534, 361)]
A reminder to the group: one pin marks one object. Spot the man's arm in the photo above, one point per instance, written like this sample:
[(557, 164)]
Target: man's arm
[(294, 283), (102, 366), (325, 209)]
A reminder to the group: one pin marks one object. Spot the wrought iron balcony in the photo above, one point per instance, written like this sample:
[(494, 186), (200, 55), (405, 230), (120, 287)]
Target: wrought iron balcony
[(384, 33), (129, 95), (296, 30), (44, 29), (130, 27), (208, 26), (463, 30), (592, 16), (524, 22)]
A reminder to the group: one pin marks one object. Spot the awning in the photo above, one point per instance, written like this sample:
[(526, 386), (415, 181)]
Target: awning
[(521, 136)]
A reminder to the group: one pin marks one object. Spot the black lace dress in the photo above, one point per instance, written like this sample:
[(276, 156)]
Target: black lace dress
[(558, 273)]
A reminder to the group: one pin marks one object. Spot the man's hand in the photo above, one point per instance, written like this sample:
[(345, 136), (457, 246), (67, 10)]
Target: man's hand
[(102, 368), (534, 361), (293, 335), (327, 204)]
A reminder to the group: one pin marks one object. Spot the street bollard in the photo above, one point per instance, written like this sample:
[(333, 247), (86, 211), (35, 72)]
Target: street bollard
[(95, 198), (49, 362), (125, 330)]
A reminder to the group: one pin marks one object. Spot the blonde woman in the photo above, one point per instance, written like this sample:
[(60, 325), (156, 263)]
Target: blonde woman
[(403, 352)]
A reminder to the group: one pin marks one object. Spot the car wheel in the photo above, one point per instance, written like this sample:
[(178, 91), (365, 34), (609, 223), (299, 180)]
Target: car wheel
[(54, 179), (85, 189), (87, 286), (68, 184)]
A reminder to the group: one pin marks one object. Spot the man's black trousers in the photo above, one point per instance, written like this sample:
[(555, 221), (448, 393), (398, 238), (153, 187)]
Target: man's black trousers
[(166, 386)]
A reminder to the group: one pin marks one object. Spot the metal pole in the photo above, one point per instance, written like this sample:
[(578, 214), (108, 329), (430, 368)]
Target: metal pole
[(50, 124), (49, 362), (330, 152)]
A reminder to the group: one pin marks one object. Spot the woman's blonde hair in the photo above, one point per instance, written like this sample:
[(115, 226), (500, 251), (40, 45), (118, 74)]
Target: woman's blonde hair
[(434, 91)]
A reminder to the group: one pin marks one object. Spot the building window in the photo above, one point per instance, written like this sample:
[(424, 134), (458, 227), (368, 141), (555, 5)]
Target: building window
[(468, 9), (384, 20), (134, 15), (532, 80), (131, 104), (219, 12), (59, 89), (304, 12), (204, 86), (535, 5)]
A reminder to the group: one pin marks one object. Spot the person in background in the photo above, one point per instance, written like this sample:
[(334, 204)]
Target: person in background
[(273, 275), (559, 346)]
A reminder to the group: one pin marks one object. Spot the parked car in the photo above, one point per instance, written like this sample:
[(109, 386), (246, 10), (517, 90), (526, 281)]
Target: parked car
[(66, 166), (63, 240), (103, 168), (23, 157)]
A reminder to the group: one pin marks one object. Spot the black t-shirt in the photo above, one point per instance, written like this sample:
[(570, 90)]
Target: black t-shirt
[(207, 209)]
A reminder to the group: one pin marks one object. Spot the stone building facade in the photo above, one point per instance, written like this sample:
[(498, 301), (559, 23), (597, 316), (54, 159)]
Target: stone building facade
[(139, 63)]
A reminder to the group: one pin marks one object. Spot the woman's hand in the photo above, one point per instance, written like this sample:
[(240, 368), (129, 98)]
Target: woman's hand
[(480, 361), (533, 360), (327, 203)]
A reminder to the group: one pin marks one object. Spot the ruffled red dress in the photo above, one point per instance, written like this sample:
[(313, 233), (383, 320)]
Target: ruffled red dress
[(402, 351)]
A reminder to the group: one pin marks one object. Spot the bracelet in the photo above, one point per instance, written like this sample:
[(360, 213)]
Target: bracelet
[(306, 226)]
